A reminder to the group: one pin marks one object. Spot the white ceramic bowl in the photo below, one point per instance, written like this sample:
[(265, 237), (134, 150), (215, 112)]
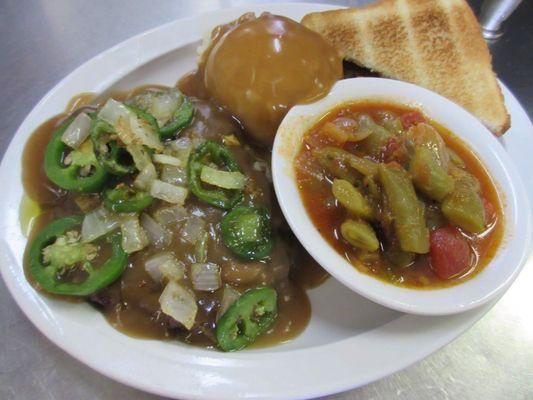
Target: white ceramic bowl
[(494, 278)]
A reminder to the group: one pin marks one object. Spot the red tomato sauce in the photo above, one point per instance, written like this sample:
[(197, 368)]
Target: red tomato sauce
[(315, 182)]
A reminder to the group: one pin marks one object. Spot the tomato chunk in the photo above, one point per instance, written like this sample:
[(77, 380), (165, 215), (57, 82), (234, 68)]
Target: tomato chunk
[(449, 252), (411, 118)]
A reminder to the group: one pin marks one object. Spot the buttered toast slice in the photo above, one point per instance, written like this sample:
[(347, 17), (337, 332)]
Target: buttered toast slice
[(436, 44)]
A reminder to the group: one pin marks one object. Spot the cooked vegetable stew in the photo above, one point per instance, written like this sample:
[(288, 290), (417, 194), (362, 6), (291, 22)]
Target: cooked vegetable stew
[(399, 196), (155, 210)]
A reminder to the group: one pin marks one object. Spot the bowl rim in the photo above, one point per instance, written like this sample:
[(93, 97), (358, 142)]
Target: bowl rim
[(488, 283)]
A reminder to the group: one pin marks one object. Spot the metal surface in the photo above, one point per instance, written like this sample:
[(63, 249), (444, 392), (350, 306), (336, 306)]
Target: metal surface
[(42, 41), (493, 14)]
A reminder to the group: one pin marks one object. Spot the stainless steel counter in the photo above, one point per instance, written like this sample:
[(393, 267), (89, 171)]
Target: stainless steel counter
[(42, 41)]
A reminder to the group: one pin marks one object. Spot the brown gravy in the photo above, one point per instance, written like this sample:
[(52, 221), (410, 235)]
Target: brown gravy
[(258, 68), (36, 185), (131, 303)]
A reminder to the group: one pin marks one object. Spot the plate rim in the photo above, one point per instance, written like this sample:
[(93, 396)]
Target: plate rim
[(8, 266)]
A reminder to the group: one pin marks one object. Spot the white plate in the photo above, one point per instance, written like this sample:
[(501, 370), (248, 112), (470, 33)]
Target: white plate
[(349, 342)]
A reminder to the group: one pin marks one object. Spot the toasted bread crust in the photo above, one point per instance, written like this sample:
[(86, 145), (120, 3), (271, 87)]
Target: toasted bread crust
[(433, 43)]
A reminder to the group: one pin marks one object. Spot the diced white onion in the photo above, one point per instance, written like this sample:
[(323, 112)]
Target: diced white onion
[(134, 130), (179, 303), (78, 130), (205, 111), (173, 269), (198, 129), (229, 296), (146, 177), (130, 128), (164, 106), (112, 111), (168, 160), (98, 223), (152, 264), (262, 166), (161, 104), (205, 276), (193, 229), (200, 248), (174, 175), (181, 144), (141, 157), (144, 133), (159, 236), (124, 132), (170, 215), (223, 179), (259, 166), (164, 265), (169, 193), (181, 149), (134, 237), (199, 211)]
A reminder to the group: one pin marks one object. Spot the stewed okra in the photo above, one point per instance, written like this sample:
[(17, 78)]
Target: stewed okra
[(162, 226), (403, 199)]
